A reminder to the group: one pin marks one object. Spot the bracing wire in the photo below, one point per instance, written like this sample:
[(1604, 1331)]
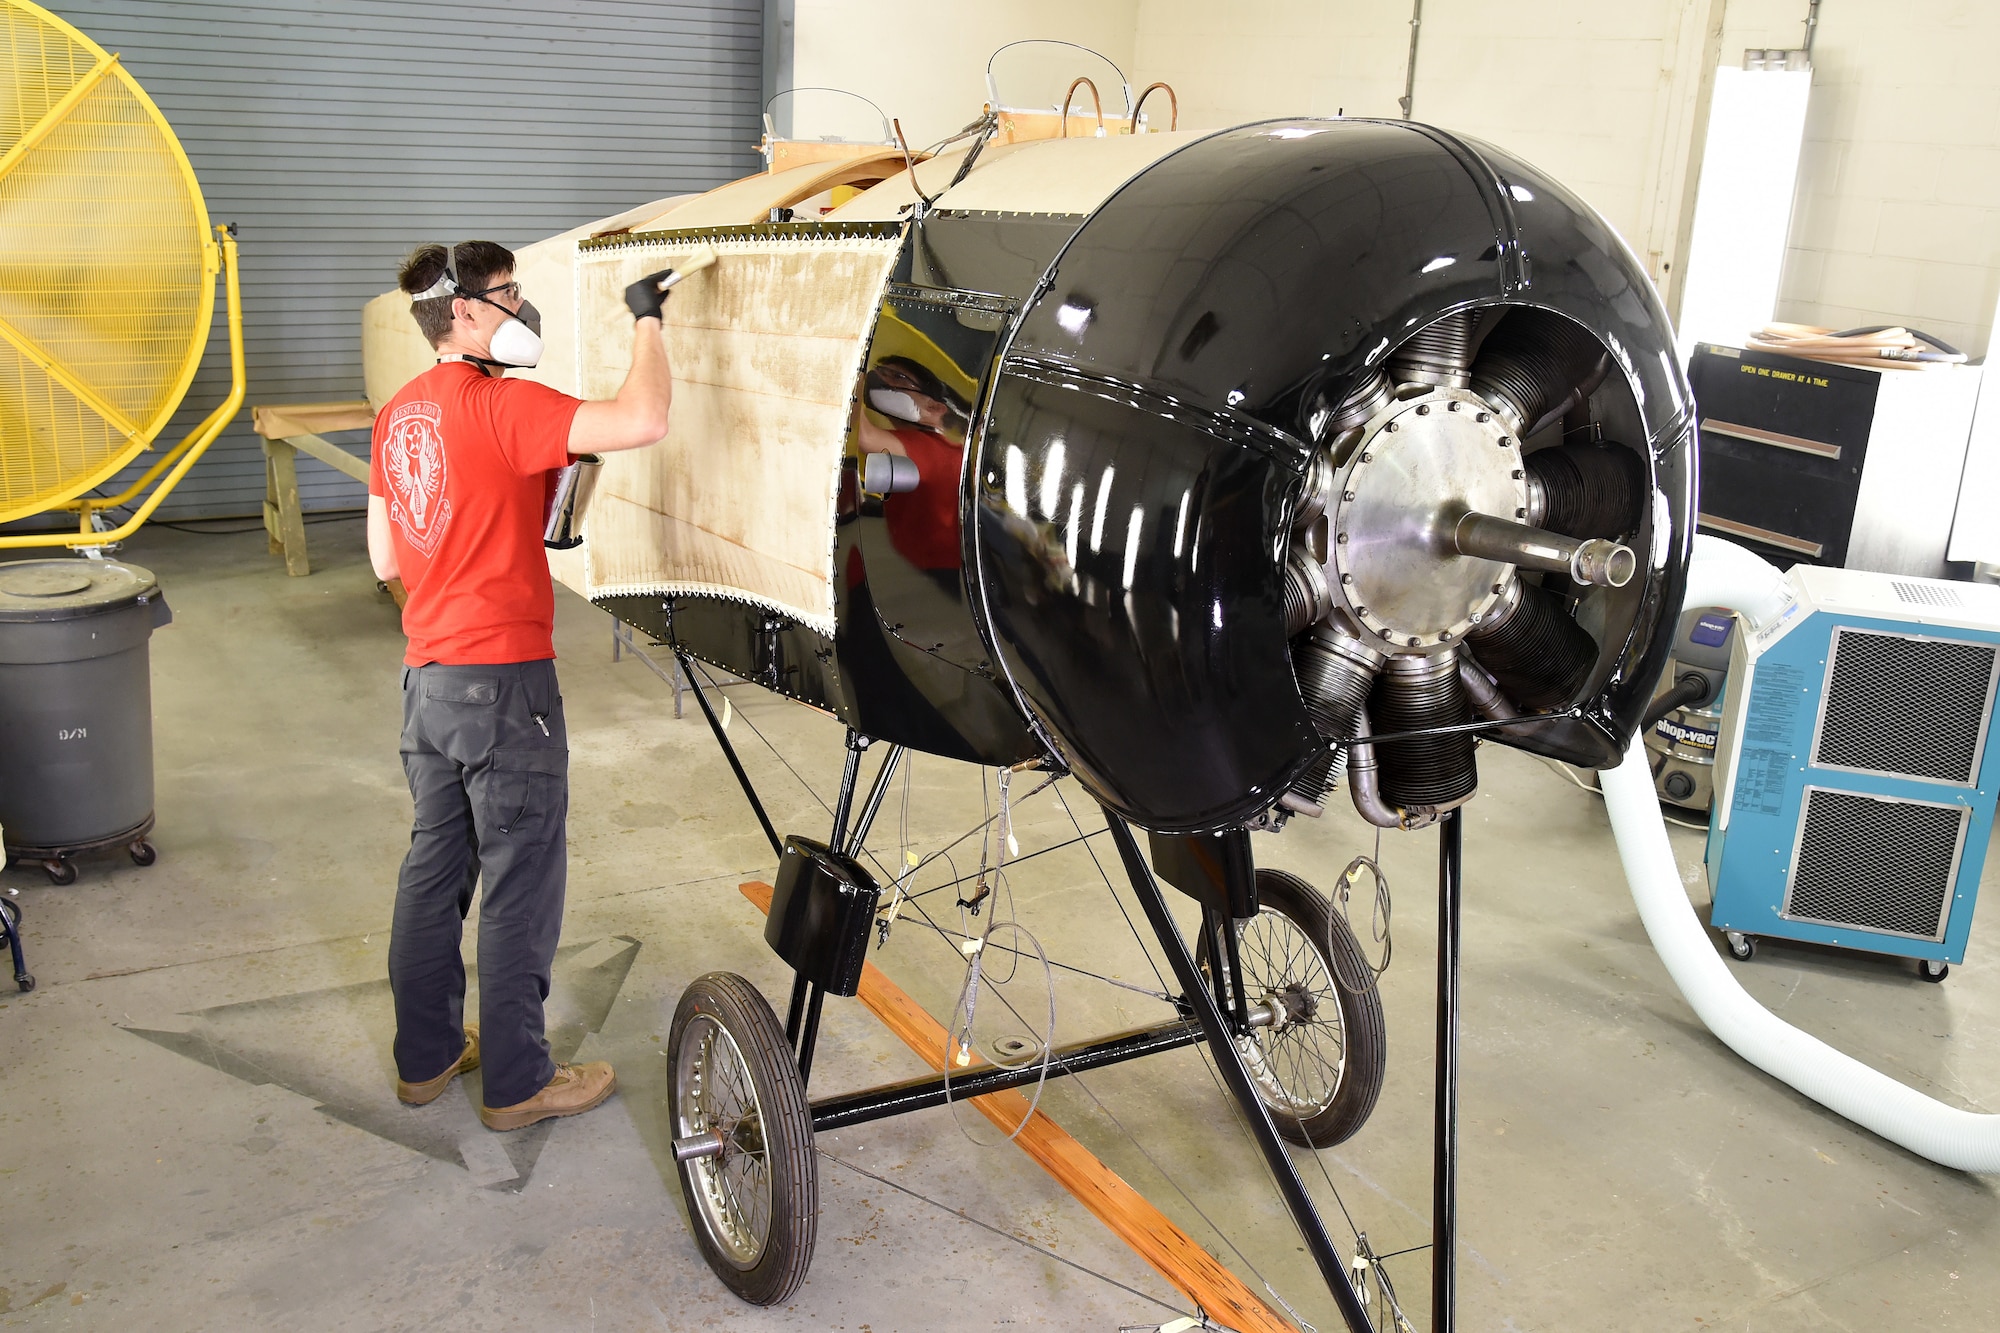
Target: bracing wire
[(998, 1231), (1378, 926)]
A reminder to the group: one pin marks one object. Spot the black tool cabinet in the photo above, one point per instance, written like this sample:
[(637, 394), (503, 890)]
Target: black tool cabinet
[(1831, 465)]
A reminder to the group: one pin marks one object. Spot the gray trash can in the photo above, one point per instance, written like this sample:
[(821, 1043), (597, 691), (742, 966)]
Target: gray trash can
[(76, 709)]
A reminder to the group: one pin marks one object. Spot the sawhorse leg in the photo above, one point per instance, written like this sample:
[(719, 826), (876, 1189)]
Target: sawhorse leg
[(282, 520)]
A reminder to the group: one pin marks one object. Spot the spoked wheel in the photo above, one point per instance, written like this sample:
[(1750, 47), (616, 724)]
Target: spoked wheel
[(1319, 1065), (743, 1139)]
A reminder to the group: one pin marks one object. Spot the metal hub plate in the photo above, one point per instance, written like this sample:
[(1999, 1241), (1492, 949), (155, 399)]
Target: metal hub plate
[(1421, 463)]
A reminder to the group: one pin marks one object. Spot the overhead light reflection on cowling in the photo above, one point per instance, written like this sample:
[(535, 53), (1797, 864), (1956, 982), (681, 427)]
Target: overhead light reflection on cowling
[(1074, 316), (1180, 525), (1075, 522), (1052, 477), (1133, 529), (1521, 193), (1442, 261), (1016, 480), (1103, 505)]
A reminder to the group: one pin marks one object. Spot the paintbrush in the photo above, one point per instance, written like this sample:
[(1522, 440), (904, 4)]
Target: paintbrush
[(696, 262)]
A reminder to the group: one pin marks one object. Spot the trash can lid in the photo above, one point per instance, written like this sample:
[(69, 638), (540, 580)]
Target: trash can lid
[(64, 589)]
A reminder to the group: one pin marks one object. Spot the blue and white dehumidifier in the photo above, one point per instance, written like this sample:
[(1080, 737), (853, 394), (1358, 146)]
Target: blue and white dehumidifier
[(1856, 770)]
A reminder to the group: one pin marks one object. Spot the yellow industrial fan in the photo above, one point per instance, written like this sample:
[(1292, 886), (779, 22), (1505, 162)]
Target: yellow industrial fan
[(107, 283)]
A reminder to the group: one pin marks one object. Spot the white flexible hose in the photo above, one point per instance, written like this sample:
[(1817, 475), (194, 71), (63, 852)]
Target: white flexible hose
[(1728, 576)]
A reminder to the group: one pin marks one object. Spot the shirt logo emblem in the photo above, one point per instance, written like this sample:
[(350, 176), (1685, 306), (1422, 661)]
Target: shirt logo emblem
[(413, 462)]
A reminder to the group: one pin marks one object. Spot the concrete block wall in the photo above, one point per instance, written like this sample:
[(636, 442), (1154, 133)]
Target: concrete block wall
[(1601, 96), (1897, 217)]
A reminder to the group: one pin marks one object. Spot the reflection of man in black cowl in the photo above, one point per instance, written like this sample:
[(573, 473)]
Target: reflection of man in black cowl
[(929, 430)]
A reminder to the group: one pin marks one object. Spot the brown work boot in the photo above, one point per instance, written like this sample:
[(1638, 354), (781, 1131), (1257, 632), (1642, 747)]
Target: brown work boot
[(574, 1090), (423, 1094)]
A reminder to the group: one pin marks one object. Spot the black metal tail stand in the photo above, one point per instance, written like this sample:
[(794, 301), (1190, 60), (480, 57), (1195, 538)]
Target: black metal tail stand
[(1444, 1145)]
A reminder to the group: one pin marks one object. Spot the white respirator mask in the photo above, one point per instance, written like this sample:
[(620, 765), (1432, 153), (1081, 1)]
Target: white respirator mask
[(895, 403), (518, 342)]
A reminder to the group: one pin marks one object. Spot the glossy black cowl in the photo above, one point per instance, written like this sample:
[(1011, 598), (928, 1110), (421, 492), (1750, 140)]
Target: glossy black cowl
[(1129, 504)]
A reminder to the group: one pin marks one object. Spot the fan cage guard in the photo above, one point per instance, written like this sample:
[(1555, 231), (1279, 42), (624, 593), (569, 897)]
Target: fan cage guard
[(107, 269)]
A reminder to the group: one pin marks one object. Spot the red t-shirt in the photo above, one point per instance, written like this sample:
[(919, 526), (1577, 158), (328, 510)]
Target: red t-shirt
[(463, 460), (923, 523)]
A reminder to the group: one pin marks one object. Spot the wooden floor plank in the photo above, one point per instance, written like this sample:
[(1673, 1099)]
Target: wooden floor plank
[(1171, 1252)]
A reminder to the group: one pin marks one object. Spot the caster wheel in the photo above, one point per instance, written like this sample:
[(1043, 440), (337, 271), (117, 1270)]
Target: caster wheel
[(1932, 970), (25, 982), (743, 1139), (1741, 947), (10, 912), (143, 853), (60, 871), (1320, 1070)]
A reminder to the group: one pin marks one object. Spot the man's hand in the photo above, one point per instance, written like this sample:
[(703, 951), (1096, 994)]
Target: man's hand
[(647, 297)]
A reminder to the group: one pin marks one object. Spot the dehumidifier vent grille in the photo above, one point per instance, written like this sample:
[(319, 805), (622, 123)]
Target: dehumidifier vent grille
[(1906, 706), (1875, 864), (1925, 594)]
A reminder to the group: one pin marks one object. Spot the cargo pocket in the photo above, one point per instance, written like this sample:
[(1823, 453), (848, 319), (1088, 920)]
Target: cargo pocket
[(527, 792)]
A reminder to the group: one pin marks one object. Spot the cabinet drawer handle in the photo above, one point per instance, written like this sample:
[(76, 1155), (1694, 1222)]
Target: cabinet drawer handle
[(1764, 535), (1772, 438)]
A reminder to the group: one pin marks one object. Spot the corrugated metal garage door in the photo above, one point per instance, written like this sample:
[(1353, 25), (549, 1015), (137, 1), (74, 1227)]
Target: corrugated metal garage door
[(338, 134)]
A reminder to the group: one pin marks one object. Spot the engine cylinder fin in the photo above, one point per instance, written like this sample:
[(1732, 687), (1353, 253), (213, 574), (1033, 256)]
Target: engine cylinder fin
[(1329, 418), (1590, 490), (1439, 354), (1307, 597), (1335, 672), (1411, 694), (1318, 490), (1534, 368), (1536, 652)]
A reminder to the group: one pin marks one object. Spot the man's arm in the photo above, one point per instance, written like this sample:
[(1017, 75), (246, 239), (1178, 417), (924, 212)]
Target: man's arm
[(637, 417), (381, 549)]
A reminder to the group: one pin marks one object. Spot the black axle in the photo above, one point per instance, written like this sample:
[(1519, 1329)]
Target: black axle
[(918, 1094)]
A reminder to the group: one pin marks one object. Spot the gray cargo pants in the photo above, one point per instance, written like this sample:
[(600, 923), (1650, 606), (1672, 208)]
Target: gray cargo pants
[(488, 762)]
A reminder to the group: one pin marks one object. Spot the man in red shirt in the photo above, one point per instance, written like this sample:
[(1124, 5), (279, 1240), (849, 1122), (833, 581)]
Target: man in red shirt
[(459, 483)]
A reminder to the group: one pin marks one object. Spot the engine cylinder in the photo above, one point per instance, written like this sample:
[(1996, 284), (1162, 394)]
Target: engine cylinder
[(1335, 672), (1535, 369), (1590, 490), (1539, 655), (1307, 597), (1439, 354), (1412, 694)]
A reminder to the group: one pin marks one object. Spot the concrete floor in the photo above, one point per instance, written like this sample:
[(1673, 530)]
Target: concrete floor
[(198, 1130)]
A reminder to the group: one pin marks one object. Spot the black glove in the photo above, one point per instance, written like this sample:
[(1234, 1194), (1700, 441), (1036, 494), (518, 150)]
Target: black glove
[(645, 297)]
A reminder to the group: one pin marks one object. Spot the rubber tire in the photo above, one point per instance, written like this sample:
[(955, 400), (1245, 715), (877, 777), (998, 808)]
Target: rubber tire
[(143, 853), (1924, 972), (60, 872), (1744, 954), (746, 1016), (1361, 1015)]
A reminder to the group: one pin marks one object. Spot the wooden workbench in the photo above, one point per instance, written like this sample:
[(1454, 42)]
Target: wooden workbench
[(288, 430)]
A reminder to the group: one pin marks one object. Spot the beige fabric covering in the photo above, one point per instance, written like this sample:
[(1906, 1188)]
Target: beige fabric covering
[(766, 346)]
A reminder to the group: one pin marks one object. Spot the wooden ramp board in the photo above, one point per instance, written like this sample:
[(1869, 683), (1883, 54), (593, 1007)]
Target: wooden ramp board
[(1171, 1252)]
